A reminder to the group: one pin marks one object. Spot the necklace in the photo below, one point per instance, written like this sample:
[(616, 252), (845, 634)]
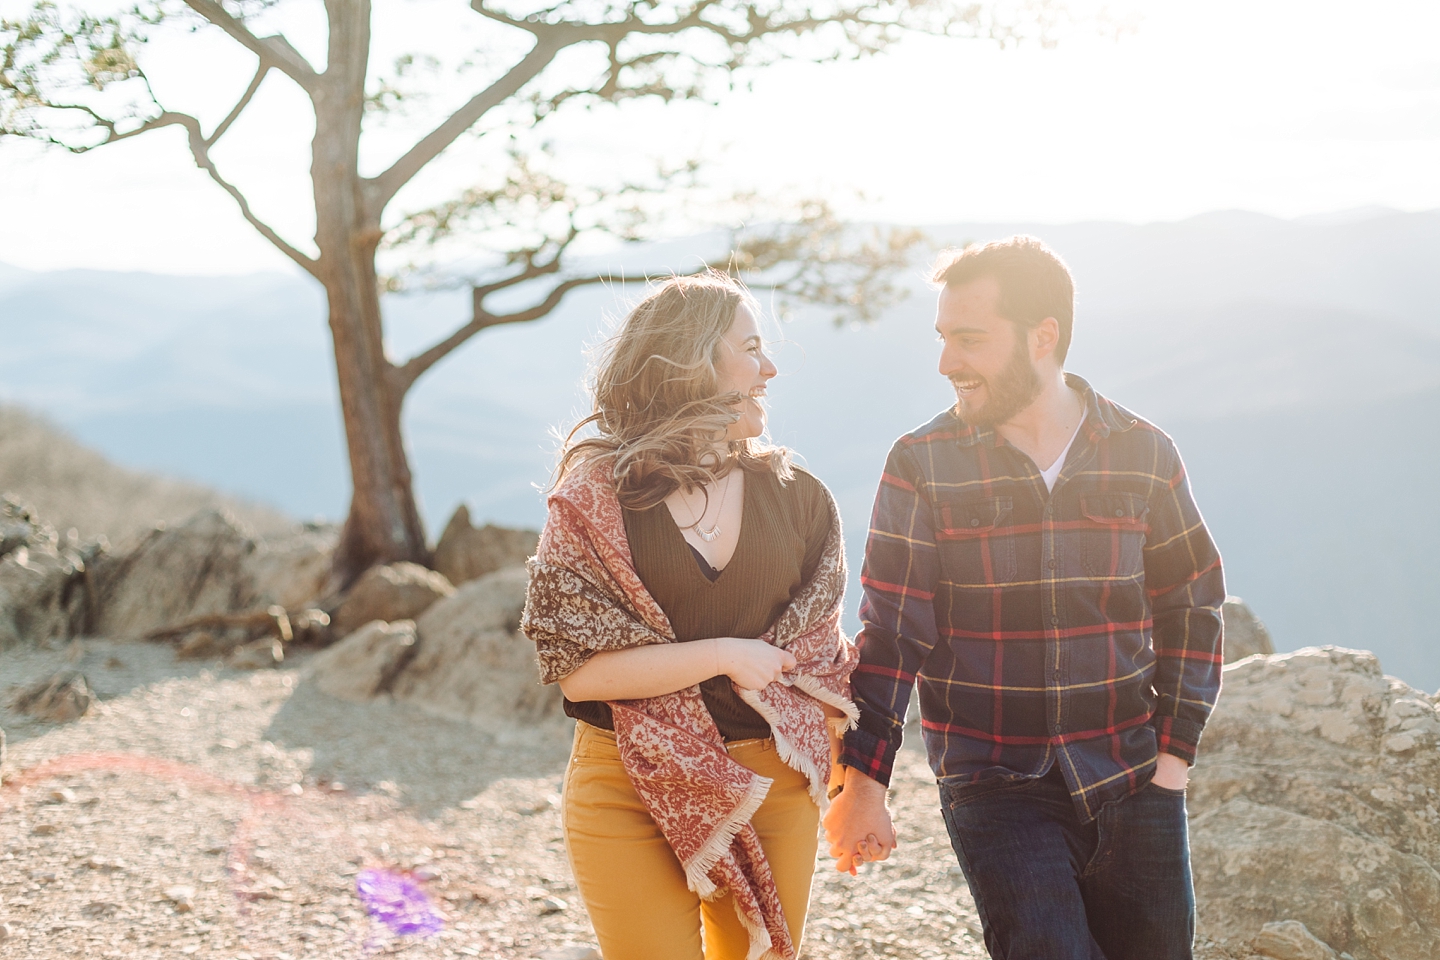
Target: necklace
[(709, 535)]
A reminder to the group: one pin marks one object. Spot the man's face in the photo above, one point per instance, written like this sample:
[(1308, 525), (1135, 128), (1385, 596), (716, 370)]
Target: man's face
[(984, 356)]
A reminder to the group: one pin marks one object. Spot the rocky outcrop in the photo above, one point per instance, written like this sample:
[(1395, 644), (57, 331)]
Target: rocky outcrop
[(209, 565), (472, 662), (1245, 634), (365, 664), (396, 591), (43, 577), (465, 553), (1317, 800), (464, 658)]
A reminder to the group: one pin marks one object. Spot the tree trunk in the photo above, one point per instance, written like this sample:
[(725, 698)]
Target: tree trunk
[(383, 524)]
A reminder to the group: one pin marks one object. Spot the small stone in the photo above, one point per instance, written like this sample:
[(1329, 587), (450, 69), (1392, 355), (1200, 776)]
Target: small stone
[(62, 795), (550, 905), (7, 932), (426, 872), (44, 829), (181, 897), (59, 698)]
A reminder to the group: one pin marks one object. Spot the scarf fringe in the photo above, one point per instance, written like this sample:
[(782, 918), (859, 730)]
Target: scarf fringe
[(796, 760), (697, 871), (761, 946)]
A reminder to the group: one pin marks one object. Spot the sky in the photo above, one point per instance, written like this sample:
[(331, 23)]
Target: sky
[(1287, 107)]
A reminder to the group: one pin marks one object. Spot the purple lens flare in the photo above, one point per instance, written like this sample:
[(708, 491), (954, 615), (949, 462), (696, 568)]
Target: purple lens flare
[(398, 902)]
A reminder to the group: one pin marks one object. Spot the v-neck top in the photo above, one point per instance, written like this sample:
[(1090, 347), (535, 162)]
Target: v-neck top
[(782, 535)]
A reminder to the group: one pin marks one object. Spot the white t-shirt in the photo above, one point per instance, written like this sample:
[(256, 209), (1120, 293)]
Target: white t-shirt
[(1052, 474)]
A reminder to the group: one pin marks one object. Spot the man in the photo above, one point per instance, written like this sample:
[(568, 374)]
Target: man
[(1037, 568)]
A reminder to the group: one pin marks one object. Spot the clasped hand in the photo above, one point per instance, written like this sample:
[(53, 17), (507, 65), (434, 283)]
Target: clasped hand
[(752, 664), (858, 825)]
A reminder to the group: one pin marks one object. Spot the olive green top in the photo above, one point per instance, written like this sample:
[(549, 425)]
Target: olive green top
[(782, 535)]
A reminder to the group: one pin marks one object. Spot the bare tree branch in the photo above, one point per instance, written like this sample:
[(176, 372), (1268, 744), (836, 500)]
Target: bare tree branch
[(244, 102), (200, 150), (408, 372), (275, 49), (401, 171)]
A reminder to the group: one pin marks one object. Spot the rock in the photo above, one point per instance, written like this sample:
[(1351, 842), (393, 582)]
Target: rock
[(208, 566), (472, 663), (549, 905), (7, 932), (465, 553), (292, 571), (1316, 800), (59, 698), (1289, 940), (396, 591), (174, 575), (1245, 634), (257, 654), (42, 578), (181, 897), (364, 664)]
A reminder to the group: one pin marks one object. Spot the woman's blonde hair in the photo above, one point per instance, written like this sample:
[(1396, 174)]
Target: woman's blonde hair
[(654, 386)]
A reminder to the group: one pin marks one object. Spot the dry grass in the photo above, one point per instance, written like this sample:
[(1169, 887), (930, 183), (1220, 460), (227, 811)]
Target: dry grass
[(69, 486)]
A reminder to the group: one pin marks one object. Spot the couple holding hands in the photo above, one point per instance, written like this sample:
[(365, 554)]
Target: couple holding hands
[(1036, 570)]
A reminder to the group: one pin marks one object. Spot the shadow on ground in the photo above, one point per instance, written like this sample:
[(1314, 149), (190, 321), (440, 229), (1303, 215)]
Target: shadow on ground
[(429, 762)]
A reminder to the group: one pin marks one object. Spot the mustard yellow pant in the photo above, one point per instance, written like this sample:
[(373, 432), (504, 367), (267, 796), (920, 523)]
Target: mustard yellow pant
[(631, 880)]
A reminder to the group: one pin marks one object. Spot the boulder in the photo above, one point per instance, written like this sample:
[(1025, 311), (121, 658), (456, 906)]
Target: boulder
[(396, 591), (292, 571), (465, 553), (42, 578), (174, 574), (1245, 634), (59, 698), (1290, 940), (1317, 800), (209, 565), (471, 661), (365, 663)]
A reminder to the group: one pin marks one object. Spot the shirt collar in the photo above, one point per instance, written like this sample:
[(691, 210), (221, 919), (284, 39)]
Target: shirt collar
[(1101, 417)]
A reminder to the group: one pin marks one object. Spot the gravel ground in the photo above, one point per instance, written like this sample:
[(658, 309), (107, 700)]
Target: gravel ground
[(202, 812)]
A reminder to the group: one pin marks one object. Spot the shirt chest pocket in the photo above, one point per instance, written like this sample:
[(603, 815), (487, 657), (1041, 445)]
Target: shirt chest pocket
[(976, 540), (1112, 531)]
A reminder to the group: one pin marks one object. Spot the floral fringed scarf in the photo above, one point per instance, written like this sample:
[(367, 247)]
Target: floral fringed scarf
[(585, 597)]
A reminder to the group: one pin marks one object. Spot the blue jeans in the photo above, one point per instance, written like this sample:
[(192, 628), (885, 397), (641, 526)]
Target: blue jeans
[(1049, 887)]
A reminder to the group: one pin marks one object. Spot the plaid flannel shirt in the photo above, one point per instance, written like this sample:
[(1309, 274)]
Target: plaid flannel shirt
[(1080, 627)]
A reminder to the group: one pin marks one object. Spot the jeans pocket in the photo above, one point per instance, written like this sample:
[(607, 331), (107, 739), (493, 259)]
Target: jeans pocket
[(956, 795), (1154, 787)]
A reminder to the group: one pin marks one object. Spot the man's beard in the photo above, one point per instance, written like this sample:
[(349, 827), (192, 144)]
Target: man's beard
[(1011, 391)]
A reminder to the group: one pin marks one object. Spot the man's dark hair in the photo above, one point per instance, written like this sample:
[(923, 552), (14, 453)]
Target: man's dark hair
[(1034, 282)]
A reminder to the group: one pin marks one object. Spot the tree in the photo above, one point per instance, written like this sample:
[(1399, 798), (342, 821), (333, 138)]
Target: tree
[(77, 80)]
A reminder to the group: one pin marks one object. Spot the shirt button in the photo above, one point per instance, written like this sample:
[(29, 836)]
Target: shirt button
[(975, 522), (1119, 513), (1050, 564), (1054, 621)]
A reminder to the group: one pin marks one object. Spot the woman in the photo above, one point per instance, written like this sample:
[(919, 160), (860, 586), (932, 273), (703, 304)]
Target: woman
[(686, 596)]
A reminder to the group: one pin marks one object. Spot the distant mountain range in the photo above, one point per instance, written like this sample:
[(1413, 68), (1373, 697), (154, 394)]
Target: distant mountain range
[(1297, 363)]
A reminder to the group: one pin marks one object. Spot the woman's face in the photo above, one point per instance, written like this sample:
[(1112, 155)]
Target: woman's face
[(741, 366)]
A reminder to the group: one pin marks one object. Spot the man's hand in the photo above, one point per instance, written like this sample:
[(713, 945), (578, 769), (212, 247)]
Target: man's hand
[(858, 823), (1171, 772)]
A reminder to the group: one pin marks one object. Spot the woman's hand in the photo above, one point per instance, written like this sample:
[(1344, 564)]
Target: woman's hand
[(752, 664)]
